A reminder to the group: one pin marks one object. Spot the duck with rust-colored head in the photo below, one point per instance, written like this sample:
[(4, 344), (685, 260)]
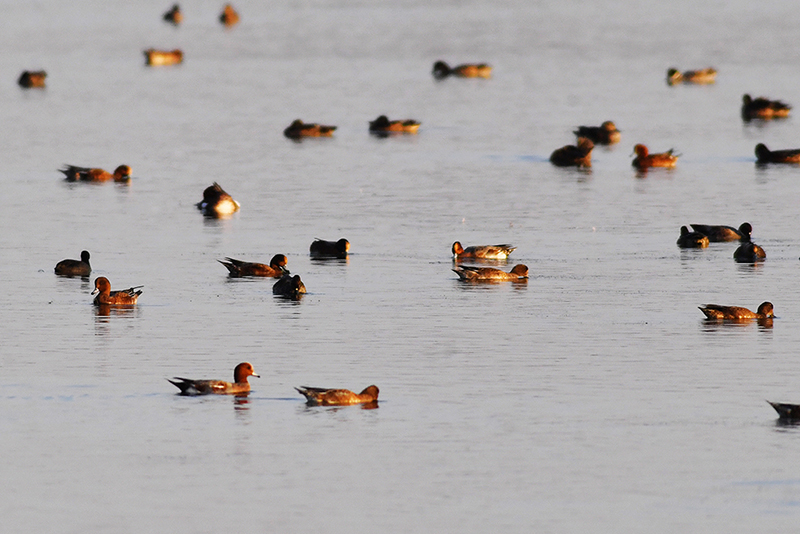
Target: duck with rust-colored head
[(160, 58), (382, 125), (749, 252), (442, 70), (122, 297), (477, 274), (122, 174), (718, 233), (216, 202), (482, 252), (692, 239), (338, 397), (700, 77), (299, 129), (229, 16), (289, 286), (174, 15), (275, 269), (765, 155), (329, 249), (79, 267), (644, 159), (764, 108), (605, 134), (32, 79), (786, 412), (715, 311), (574, 156), (239, 386)]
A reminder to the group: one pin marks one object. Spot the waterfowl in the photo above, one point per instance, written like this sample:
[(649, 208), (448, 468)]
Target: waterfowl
[(702, 76), (574, 156), (79, 267), (219, 387), (383, 125), (644, 159), (329, 249), (229, 16), (102, 288), (749, 252), (275, 269), (692, 239), (763, 108), (715, 311), (788, 412), (716, 233), (160, 58), (32, 78), (174, 15), (338, 397), (765, 155), (468, 70), (86, 174), (472, 274), (299, 129), (605, 134), (289, 286), (485, 252), (216, 202)]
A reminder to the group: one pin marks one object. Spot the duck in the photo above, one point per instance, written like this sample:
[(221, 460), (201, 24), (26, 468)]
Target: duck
[(160, 58), (474, 274), (788, 412), (644, 159), (239, 385), (123, 297), (329, 249), (275, 269), (122, 174), (574, 156), (692, 239), (764, 108), (715, 311), (483, 252), (229, 17), (338, 397), (605, 134), (289, 286), (717, 233), (79, 267), (765, 155), (442, 70), (383, 125), (216, 202), (701, 76), (174, 15), (749, 252), (32, 78), (299, 129)]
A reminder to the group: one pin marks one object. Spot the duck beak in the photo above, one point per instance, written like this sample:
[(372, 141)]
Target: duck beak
[(255, 375), (95, 292)]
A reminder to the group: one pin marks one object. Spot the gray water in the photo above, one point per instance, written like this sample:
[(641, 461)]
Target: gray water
[(593, 398)]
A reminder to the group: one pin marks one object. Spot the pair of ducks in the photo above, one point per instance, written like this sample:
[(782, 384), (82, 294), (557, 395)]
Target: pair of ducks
[(228, 17), (102, 287), (382, 126), (487, 252), (580, 155), (703, 234), (240, 385)]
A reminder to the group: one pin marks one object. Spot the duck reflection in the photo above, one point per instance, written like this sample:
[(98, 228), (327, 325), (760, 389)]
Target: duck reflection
[(104, 311), (715, 325)]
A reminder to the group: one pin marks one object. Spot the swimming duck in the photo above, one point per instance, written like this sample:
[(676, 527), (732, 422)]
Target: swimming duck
[(75, 267), (715, 311), (216, 202), (338, 397), (473, 274), (229, 16), (160, 58), (763, 108), (32, 78), (485, 252), (702, 76), (174, 15), (765, 155), (329, 249), (789, 412), (383, 125), (275, 269), (692, 239), (749, 252), (289, 286), (299, 129), (219, 387), (122, 174), (644, 159), (574, 156), (605, 134), (468, 70), (716, 233), (102, 288)]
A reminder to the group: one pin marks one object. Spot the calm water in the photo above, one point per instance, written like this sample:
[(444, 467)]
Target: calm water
[(591, 398)]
